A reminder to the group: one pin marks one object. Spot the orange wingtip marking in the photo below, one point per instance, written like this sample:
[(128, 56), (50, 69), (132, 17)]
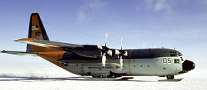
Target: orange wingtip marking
[(103, 64), (25, 39)]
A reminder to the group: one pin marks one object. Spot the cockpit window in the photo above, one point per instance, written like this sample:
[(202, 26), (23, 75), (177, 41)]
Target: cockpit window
[(175, 54), (179, 54)]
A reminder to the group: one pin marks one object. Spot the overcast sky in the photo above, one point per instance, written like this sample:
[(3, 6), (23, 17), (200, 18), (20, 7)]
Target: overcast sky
[(179, 24)]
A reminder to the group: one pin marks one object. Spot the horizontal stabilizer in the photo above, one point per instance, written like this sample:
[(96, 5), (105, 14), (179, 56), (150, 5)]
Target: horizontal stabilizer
[(46, 43), (20, 53)]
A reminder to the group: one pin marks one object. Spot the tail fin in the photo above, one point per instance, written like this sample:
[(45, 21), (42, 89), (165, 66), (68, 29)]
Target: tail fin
[(36, 31)]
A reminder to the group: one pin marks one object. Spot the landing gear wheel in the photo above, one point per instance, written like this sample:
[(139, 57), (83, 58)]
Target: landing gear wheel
[(170, 77)]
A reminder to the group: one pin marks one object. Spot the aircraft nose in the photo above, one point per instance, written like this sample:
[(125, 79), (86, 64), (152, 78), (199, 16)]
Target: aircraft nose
[(188, 65)]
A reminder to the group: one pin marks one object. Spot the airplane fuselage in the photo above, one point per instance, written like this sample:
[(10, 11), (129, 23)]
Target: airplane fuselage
[(139, 62)]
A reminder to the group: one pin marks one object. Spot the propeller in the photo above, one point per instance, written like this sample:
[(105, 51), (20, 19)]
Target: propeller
[(105, 50), (121, 53)]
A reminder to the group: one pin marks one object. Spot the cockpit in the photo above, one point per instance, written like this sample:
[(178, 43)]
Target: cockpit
[(175, 54)]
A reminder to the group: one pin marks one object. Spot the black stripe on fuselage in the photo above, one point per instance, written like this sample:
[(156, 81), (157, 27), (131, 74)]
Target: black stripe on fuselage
[(152, 53), (132, 54)]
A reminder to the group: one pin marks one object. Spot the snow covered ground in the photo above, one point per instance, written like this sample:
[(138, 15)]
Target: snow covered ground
[(58, 79)]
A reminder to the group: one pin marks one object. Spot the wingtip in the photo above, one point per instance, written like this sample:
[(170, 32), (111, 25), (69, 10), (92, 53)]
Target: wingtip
[(3, 51), (24, 39)]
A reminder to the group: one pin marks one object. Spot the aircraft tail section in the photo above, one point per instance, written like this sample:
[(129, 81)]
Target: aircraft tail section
[(36, 31)]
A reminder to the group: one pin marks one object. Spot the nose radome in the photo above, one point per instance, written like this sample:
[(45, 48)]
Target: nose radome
[(188, 65)]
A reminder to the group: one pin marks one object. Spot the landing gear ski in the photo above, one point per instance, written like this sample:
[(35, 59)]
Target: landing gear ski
[(171, 78)]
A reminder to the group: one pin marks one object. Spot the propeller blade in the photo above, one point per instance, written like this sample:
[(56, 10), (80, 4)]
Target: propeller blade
[(126, 53), (121, 42), (99, 46), (109, 52), (104, 59), (117, 52), (106, 38), (121, 62)]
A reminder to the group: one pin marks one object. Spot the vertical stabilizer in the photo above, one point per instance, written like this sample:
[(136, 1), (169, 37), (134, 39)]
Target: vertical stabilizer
[(36, 31)]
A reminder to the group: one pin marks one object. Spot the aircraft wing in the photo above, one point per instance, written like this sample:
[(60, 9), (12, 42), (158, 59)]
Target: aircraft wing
[(20, 53), (46, 43)]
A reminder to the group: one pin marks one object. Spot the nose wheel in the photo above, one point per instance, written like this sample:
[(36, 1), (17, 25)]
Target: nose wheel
[(170, 76)]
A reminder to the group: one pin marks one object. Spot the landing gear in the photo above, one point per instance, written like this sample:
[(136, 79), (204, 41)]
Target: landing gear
[(110, 78), (111, 75), (170, 77)]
